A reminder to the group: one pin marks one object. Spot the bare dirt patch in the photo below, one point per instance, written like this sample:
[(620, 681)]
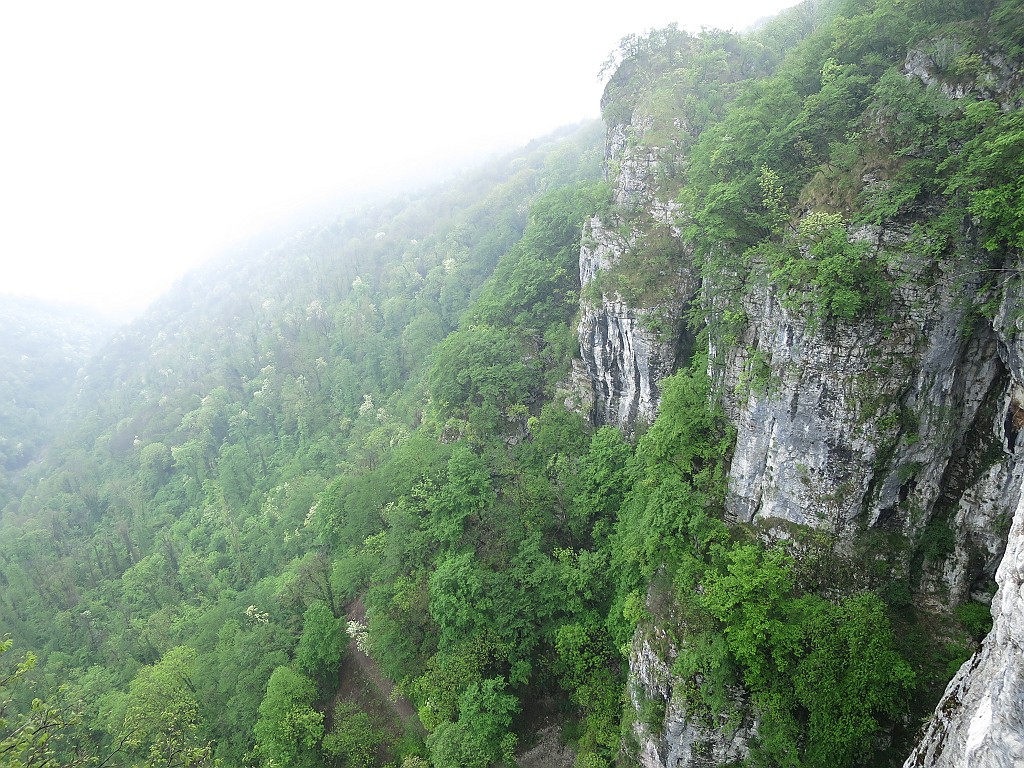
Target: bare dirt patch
[(361, 682), (550, 751)]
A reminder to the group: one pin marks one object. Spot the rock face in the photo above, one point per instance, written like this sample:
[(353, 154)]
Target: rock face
[(998, 79), (625, 363), (980, 721), (622, 358), (885, 423), (625, 350), (900, 428), (677, 735), (908, 424)]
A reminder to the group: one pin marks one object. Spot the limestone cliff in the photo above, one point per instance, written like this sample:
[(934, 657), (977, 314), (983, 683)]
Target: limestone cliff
[(681, 735), (980, 720), (901, 422), (880, 423), (627, 346)]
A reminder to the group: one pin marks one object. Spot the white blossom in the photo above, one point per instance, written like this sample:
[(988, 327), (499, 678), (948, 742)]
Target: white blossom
[(358, 632)]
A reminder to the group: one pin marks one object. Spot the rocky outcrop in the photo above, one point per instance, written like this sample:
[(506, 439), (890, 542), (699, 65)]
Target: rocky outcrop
[(626, 348), (624, 362), (884, 422), (991, 74), (805, 404), (840, 426), (623, 358), (979, 723), (905, 420), (669, 731)]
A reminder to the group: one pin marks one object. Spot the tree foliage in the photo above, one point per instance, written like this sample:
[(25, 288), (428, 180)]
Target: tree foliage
[(44, 734), (321, 644), (288, 729), (367, 415)]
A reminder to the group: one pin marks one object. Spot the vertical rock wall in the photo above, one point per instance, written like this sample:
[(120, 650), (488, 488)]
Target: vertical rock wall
[(680, 736), (979, 722), (624, 349), (881, 422), (901, 422), (843, 427)]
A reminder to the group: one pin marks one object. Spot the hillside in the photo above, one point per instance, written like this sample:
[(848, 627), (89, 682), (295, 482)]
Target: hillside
[(42, 348), (702, 455), (172, 521)]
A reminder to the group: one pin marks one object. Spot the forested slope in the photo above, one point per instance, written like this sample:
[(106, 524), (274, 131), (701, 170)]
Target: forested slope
[(42, 348), (172, 544), (708, 460)]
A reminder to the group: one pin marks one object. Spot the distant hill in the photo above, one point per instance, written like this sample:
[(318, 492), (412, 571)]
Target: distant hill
[(42, 347)]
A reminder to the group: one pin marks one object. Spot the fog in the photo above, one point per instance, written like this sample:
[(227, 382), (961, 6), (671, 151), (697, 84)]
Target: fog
[(139, 139)]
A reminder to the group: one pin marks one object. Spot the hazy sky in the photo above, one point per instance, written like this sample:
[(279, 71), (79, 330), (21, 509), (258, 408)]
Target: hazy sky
[(139, 138)]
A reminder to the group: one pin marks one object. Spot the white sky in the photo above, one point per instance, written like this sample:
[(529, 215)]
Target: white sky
[(139, 138)]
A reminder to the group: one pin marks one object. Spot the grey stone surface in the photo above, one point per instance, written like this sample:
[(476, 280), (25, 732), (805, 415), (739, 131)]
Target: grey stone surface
[(621, 357), (683, 737), (979, 722)]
